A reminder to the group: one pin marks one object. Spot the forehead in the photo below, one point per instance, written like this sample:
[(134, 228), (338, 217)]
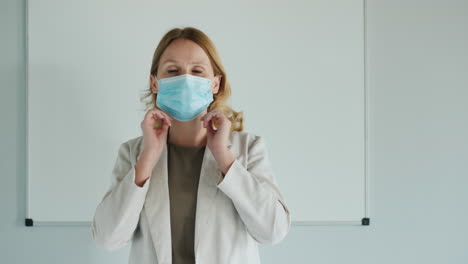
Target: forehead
[(184, 51)]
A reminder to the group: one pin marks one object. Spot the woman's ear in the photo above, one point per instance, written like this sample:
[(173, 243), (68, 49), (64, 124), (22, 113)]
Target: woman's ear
[(154, 84)]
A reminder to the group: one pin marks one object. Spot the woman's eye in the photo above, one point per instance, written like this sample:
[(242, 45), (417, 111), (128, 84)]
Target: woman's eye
[(173, 70)]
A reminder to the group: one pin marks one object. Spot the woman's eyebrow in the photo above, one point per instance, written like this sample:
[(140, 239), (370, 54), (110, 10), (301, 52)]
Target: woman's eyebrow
[(199, 62), (193, 62), (169, 60)]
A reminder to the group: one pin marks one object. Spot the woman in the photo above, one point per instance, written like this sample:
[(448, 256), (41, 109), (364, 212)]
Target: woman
[(194, 188)]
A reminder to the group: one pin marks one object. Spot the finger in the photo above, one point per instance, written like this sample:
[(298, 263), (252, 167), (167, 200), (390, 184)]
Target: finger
[(168, 117), (165, 126), (161, 124), (153, 116), (218, 119), (212, 124), (159, 120), (159, 115), (207, 117), (149, 114), (207, 122), (210, 128), (215, 122), (163, 117)]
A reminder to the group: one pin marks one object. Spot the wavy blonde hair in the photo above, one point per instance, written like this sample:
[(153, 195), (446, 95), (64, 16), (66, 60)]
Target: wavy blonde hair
[(221, 98)]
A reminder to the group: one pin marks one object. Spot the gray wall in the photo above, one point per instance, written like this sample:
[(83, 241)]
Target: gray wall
[(418, 53)]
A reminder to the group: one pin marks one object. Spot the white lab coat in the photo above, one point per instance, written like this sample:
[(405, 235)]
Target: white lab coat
[(244, 209)]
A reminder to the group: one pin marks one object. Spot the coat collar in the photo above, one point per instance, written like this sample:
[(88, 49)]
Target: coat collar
[(157, 207)]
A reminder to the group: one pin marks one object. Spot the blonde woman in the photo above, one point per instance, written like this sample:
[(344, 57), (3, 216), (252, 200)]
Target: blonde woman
[(194, 188)]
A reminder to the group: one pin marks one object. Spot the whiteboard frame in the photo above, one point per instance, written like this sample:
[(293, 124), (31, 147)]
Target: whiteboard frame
[(293, 223)]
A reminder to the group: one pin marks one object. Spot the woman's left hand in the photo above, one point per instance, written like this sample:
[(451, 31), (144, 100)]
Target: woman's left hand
[(217, 140)]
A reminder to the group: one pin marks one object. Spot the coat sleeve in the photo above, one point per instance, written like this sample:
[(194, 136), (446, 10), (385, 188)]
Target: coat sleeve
[(256, 196), (116, 217)]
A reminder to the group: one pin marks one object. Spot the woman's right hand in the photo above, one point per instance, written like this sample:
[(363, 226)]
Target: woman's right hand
[(155, 127)]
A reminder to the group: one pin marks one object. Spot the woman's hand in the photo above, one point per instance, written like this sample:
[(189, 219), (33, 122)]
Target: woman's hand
[(155, 126), (217, 140)]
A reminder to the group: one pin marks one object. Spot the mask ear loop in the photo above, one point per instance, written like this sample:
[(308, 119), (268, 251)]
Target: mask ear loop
[(167, 139), (157, 80)]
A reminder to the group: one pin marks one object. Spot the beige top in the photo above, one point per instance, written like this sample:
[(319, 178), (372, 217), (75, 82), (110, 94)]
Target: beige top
[(184, 165)]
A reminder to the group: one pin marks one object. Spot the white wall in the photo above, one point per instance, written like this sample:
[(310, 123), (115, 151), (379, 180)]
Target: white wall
[(418, 53)]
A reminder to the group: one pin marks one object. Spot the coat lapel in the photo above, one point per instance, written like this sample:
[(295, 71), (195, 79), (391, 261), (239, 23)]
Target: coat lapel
[(157, 210), (157, 204)]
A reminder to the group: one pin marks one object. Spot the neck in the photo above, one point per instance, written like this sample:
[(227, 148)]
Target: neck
[(188, 133)]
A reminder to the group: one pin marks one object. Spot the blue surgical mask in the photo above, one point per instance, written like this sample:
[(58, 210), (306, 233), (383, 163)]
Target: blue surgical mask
[(184, 97)]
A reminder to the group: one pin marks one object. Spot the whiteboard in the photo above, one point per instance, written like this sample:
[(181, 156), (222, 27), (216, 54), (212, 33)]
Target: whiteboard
[(297, 70)]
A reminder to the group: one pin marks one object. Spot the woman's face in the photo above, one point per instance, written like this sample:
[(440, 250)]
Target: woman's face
[(184, 56)]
